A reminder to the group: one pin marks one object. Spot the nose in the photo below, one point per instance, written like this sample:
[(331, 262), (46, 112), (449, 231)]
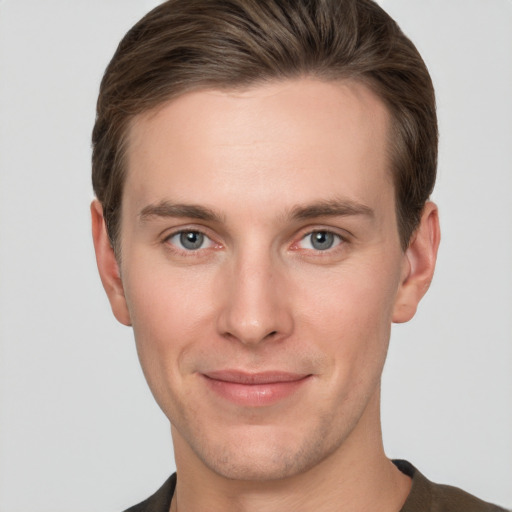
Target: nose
[(255, 307)]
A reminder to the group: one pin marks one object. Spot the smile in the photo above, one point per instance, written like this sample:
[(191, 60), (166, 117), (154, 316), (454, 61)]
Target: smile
[(254, 389)]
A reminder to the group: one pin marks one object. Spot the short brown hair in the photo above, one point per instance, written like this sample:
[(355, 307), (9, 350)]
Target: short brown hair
[(185, 45)]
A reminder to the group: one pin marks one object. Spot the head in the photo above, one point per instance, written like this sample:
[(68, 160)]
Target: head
[(182, 46), (262, 171)]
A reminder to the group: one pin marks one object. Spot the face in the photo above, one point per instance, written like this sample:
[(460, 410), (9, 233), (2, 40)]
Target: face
[(261, 269)]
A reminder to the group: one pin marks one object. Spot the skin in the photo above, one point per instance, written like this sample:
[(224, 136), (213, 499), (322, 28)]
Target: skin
[(264, 168)]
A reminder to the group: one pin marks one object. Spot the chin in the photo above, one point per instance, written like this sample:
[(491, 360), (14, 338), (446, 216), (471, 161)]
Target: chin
[(263, 457), (258, 468)]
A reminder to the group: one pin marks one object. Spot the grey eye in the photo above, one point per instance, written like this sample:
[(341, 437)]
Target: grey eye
[(191, 240), (322, 240)]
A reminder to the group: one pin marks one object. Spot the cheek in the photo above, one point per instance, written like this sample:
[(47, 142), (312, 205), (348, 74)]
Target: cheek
[(350, 316), (167, 312), (165, 300)]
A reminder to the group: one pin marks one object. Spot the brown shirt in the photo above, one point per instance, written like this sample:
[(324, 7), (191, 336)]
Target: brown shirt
[(425, 496)]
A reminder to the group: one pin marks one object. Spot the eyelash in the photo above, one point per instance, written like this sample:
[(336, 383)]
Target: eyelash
[(339, 240), (184, 251), (334, 238), (335, 251)]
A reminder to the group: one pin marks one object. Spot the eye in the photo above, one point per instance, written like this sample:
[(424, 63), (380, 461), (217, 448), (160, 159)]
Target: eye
[(320, 240), (190, 240)]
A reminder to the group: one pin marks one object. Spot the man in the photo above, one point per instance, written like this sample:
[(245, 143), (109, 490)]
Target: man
[(262, 172)]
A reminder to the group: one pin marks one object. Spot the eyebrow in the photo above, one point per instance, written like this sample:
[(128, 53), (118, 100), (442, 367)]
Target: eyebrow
[(328, 208), (331, 208), (165, 209)]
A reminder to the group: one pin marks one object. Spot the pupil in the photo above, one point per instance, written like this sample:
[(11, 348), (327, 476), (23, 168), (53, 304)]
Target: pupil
[(191, 240), (322, 240)]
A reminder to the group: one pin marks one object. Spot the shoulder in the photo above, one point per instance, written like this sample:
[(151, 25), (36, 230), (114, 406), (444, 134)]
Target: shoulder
[(426, 496), (160, 501)]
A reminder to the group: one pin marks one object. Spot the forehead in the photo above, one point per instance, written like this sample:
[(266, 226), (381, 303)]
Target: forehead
[(285, 142)]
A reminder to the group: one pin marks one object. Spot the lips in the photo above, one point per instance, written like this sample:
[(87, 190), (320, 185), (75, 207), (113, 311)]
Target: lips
[(254, 389)]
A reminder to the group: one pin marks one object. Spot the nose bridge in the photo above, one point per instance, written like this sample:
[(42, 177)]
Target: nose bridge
[(255, 309)]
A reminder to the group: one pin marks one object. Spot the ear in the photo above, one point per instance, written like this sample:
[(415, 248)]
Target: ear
[(419, 263), (108, 265)]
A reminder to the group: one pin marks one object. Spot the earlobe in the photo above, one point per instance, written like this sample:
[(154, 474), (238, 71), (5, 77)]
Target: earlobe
[(419, 264), (108, 266)]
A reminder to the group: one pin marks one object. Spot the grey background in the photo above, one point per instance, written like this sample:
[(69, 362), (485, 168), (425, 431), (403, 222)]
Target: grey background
[(79, 431)]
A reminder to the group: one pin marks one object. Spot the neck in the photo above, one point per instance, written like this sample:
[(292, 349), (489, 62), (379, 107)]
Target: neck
[(357, 477)]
